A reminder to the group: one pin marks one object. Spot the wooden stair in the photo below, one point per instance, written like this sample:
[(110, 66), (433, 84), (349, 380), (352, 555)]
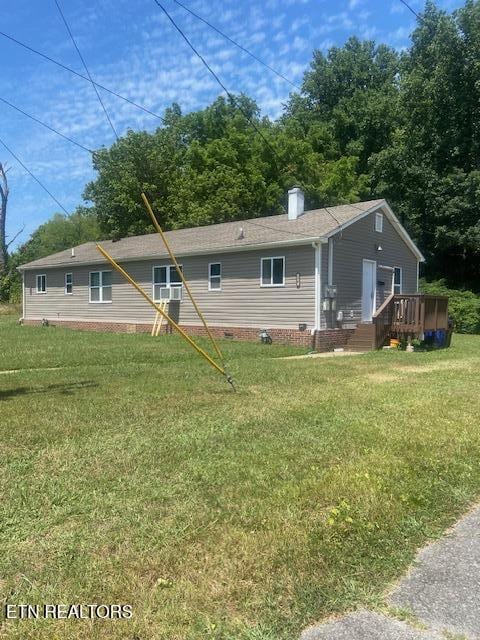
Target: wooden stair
[(363, 339)]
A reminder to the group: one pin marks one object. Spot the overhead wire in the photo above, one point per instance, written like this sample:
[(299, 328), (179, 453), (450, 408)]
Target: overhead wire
[(150, 211), (237, 44), (269, 228), (94, 84), (230, 95), (80, 75), (417, 15), (86, 69), (44, 124), (11, 152)]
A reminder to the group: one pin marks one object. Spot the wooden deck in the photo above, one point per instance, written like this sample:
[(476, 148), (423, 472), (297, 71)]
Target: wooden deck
[(409, 316)]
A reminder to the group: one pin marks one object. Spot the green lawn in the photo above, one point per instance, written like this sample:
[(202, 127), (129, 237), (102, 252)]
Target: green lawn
[(131, 473)]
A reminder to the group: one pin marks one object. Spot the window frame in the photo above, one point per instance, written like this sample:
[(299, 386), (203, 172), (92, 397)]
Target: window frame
[(100, 287), (379, 222), (272, 285), (168, 282), (37, 276), (400, 284), (210, 276), (65, 290)]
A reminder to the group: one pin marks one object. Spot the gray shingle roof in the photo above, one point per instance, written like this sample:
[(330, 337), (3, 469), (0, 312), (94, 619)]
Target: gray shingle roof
[(214, 238)]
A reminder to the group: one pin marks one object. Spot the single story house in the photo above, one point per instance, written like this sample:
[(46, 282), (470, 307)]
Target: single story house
[(307, 277)]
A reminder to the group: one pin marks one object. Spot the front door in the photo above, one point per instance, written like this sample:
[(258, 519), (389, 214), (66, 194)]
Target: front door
[(369, 281)]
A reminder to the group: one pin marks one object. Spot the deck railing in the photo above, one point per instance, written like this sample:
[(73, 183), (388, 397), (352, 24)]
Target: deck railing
[(410, 315), (382, 321)]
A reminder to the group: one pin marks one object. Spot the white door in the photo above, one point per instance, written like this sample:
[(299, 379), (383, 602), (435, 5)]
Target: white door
[(369, 282)]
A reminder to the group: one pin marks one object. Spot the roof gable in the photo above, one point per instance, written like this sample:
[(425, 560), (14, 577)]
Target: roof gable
[(385, 208)]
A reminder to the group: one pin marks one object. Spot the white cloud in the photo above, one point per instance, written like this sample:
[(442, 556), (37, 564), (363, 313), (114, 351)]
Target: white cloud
[(133, 49)]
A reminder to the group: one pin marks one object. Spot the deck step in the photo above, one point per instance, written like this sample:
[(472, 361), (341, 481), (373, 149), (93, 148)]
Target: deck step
[(363, 339)]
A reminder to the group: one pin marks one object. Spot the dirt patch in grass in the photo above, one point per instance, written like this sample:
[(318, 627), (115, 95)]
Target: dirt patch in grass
[(396, 372), (436, 366)]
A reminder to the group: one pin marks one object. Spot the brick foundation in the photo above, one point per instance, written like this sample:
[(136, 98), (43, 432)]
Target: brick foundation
[(332, 339), (326, 340), (250, 334)]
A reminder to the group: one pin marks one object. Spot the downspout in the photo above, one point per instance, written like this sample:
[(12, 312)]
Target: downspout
[(23, 295), (318, 284), (330, 261)]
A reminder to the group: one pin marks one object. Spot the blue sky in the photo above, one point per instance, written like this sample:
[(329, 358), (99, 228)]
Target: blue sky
[(132, 49)]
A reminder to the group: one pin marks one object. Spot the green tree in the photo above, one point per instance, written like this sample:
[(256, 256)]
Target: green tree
[(57, 234), (212, 166), (430, 172), (354, 91)]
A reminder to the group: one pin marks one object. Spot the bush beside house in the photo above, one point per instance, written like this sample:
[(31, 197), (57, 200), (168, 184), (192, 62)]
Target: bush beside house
[(464, 306)]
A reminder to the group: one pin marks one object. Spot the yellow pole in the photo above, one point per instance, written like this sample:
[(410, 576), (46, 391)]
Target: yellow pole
[(154, 327), (180, 273), (184, 335), (160, 319)]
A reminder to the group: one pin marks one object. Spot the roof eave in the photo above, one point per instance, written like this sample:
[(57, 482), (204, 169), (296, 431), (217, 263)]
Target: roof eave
[(181, 254)]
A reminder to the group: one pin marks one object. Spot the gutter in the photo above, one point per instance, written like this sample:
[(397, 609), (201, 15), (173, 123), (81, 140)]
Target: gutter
[(184, 254)]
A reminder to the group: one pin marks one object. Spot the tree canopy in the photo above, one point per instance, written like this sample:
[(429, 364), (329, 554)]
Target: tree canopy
[(210, 166), (370, 122)]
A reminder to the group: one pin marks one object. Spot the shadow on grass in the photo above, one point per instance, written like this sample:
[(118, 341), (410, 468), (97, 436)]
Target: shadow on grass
[(65, 389)]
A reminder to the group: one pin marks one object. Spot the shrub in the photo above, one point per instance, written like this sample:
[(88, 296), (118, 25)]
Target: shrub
[(463, 306)]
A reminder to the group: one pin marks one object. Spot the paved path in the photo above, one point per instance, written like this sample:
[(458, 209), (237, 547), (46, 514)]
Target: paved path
[(442, 590), (365, 625)]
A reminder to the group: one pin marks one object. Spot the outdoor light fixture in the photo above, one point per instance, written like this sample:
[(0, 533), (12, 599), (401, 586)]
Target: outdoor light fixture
[(379, 247), (265, 337)]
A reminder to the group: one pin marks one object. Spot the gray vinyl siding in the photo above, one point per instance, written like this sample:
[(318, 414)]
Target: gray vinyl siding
[(240, 303), (356, 243)]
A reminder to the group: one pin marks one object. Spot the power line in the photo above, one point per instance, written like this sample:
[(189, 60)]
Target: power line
[(79, 75), (32, 175), (334, 217), (44, 124), (237, 44), (86, 68), (269, 228), (410, 9), (218, 80)]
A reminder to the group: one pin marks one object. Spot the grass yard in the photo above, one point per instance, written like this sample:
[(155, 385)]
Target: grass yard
[(132, 474)]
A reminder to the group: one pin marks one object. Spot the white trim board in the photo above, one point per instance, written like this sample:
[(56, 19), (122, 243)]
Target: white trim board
[(318, 286), (330, 261)]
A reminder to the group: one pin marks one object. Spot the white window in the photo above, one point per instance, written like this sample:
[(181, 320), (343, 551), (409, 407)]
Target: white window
[(379, 222), (101, 286), (68, 284), (167, 284), (214, 276), (397, 280), (273, 272), (42, 283)]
